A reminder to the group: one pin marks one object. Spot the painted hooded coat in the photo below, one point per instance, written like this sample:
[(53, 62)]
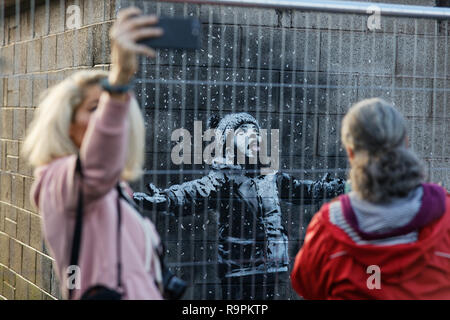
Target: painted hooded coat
[(252, 238)]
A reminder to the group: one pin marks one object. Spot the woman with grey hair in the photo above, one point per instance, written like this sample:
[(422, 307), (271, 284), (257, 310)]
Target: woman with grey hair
[(389, 238)]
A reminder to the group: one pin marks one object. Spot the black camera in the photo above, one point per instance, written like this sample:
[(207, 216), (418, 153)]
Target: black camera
[(173, 287)]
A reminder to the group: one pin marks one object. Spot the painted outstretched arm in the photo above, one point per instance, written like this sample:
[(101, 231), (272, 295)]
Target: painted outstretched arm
[(309, 191), (153, 199), (196, 193)]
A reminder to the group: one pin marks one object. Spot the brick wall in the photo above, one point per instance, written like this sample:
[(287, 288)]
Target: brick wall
[(343, 61)]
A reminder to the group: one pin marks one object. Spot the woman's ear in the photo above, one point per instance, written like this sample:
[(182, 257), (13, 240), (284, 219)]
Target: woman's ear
[(350, 153)]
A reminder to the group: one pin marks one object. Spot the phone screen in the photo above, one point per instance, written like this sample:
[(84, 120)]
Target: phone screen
[(179, 33)]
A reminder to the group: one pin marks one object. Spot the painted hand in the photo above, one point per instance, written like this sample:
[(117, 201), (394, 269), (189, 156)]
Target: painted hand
[(158, 202)]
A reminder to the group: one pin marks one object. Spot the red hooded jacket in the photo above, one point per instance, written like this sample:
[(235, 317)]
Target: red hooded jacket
[(330, 265)]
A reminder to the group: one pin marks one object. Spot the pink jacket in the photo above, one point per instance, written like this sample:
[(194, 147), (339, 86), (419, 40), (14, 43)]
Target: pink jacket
[(55, 193)]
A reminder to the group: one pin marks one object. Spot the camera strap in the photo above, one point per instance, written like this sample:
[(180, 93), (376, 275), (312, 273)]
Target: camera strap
[(157, 247), (77, 236)]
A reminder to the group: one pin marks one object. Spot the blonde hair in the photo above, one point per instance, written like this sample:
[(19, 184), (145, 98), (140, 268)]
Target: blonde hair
[(48, 135), (383, 167)]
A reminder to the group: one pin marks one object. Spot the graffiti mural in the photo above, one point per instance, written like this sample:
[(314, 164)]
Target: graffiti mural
[(252, 240)]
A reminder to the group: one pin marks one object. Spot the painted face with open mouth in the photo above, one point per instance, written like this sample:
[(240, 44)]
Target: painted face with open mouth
[(247, 140)]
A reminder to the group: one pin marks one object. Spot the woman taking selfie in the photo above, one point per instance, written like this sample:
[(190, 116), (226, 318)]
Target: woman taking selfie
[(86, 140), (389, 238)]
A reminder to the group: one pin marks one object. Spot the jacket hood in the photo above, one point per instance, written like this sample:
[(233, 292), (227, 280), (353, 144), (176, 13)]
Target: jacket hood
[(232, 121), (35, 191), (45, 174), (399, 261)]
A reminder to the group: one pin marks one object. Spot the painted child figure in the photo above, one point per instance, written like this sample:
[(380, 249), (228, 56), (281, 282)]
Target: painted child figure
[(253, 242)]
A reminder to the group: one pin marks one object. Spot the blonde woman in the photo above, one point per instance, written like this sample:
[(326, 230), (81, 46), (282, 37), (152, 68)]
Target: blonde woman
[(389, 238), (93, 116)]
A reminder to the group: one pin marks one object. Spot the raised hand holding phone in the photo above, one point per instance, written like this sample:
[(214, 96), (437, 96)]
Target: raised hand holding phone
[(130, 28)]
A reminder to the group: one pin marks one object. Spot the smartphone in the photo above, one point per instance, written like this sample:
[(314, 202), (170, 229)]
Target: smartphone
[(179, 33)]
